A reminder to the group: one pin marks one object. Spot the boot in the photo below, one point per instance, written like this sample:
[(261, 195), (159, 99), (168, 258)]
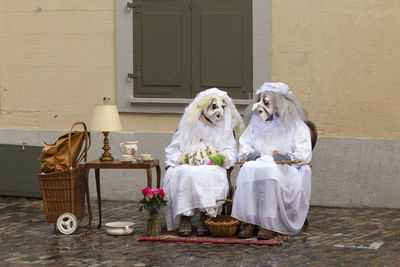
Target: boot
[(202, 230), (185, 228), (247, 231), (265, 234)]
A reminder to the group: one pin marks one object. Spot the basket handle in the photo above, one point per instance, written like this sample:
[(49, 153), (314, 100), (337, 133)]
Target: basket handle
[(83, 155), (225, 208), (224, 199), (277, 162), (85, 149)]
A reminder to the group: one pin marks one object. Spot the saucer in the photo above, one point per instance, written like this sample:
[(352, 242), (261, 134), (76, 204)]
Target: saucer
[(127, 161)]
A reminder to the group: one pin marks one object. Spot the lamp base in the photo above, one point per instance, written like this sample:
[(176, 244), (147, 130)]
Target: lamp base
[(106, 156)]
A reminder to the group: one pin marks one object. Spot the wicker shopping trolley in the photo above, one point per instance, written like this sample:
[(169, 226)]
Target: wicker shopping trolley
[(64, 192)]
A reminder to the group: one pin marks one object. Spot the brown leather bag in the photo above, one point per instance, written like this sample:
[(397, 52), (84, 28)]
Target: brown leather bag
[(66, 152)]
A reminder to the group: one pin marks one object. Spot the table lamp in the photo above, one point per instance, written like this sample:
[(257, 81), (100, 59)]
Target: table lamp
[(106, 119)]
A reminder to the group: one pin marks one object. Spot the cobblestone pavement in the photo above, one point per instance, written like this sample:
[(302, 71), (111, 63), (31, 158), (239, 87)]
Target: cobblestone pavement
[(335, 237)]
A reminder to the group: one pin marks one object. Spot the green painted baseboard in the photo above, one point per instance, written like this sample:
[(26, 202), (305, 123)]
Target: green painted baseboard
[(19, 169)]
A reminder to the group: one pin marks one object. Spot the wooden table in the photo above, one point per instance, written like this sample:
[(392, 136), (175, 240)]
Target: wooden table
[(116, 164)]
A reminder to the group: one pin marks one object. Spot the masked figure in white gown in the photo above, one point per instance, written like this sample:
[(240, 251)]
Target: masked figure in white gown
[(201, 150), (270, 197)]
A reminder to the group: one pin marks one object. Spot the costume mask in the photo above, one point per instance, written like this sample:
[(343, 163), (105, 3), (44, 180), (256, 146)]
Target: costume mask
[(214, 111), (265, 107)]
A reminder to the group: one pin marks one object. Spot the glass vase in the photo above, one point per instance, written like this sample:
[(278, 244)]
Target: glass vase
[(153, 223)]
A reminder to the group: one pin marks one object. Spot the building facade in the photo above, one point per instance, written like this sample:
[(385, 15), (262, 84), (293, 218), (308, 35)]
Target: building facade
[(58, 59)]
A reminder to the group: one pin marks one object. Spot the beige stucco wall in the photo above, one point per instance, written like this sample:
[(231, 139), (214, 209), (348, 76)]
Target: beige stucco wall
[(341, 57), (56, 63)]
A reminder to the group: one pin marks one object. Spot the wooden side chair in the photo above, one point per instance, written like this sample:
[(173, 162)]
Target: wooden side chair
[(314, 137)]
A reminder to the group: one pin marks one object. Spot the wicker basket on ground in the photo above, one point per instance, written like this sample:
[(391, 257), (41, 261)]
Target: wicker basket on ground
[(223, 225)]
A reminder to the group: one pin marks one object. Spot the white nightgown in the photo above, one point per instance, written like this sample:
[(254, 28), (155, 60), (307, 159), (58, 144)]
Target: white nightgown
[(191, 187), (274, 196)]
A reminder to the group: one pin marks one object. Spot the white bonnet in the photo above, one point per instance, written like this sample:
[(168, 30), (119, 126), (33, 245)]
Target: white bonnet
[(277, 87)]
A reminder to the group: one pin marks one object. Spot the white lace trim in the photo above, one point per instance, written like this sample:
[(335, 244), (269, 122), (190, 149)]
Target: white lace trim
[(273, 127), (201, 135)]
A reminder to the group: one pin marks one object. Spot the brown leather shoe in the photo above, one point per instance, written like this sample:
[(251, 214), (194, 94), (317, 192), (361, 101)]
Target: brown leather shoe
[(247, 231), (265, 234)]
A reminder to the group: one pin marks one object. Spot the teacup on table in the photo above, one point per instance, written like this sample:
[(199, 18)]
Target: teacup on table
[(146, 157), (127, 158)]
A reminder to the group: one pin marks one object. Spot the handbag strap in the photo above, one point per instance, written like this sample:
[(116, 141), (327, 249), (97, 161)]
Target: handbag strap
[(83, 154)]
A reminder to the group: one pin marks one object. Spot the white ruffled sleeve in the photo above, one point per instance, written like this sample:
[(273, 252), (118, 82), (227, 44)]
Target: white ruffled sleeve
[(246, 143), (172, 151), (230, 150), (301, 148)]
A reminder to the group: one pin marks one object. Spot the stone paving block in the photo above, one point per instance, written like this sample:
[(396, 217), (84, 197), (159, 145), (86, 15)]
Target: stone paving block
[(335, 237)]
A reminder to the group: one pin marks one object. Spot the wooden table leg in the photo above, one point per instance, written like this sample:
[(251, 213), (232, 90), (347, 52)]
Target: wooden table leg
[(88, 200), (97, 175), (149, 177), (158, 170)]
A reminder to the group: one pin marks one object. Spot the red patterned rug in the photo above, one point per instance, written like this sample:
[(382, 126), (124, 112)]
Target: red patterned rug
[(175, 237)]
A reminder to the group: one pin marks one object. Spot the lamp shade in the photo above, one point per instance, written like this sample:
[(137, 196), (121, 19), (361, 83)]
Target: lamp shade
[(105, 119)]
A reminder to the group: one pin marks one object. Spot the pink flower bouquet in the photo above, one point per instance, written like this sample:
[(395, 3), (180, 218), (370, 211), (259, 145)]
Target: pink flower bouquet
[(153, 200)]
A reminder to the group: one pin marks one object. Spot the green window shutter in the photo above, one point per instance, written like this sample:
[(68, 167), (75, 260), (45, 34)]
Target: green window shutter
[(222, 46), (182, 47), (161, 48)]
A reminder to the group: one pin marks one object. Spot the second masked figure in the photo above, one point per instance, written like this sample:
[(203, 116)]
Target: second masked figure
[(201, 149)]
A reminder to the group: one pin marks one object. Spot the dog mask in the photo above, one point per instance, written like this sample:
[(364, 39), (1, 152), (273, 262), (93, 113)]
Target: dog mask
[(265, 107)]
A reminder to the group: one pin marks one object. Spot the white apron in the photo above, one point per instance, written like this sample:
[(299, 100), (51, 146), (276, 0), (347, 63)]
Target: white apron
[(191, 187), (274, 196)]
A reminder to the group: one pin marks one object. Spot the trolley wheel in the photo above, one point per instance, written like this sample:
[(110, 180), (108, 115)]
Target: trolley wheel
[(67, 223)]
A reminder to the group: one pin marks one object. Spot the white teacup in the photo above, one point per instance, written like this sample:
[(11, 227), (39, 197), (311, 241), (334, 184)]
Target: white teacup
[(126, 157), (146, 157)]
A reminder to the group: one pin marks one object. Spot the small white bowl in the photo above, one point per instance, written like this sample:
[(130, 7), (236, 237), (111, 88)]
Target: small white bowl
[(119, 228), (146, 157)]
